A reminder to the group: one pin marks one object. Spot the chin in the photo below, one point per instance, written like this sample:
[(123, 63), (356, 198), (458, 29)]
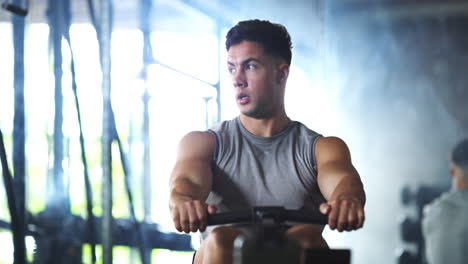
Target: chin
[(255, 114)]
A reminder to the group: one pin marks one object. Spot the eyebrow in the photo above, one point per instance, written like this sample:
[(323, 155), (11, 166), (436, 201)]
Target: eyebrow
[(247, 61)]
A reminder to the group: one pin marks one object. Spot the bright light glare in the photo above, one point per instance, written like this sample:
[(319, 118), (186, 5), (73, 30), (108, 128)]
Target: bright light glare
[(6, 254)]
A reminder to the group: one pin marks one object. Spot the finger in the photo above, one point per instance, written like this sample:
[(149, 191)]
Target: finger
[(176, 220), (343, 215), (361, 217), (184, 220), (201, 210), (333, 215), (352, 217), (325, 208), (212, 209), (193, 218)]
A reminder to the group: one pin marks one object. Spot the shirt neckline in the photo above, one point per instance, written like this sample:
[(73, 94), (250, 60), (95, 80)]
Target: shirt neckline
[(258, 139)]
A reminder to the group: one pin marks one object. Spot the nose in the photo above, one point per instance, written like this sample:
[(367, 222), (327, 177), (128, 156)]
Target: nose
[(238, 79)]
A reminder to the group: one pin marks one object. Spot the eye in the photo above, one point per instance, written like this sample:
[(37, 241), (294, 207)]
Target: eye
[(251, 67), (231, 70)]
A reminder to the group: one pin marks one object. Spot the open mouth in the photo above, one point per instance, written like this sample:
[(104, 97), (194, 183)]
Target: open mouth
[(243, 98)]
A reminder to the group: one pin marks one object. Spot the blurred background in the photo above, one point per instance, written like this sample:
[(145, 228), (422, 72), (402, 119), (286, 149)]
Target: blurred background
[(95, 95)]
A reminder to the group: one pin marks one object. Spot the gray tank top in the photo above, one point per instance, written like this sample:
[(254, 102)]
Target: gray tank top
[(264, 171)]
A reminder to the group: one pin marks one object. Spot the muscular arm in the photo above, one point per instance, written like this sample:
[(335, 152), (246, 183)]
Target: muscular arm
[(190, 182), (340, 184)]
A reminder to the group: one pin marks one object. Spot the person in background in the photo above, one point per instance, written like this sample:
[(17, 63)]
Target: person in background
[(445, 220)]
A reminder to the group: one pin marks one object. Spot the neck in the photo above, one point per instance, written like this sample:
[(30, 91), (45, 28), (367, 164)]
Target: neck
[(461, 184), (265, 127)]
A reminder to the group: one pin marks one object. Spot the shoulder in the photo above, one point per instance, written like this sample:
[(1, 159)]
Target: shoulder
[(331, 148), (197, 143), (224, 126), (334, 142), (448, 201), (449, 206), (304, 130), (197, 136), (303, 136)]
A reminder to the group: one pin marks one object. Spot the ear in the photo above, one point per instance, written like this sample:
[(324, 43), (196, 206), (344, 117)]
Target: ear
[(283, 72), (452, 171)]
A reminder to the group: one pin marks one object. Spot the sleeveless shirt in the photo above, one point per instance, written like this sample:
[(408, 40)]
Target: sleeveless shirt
[(264, 171)]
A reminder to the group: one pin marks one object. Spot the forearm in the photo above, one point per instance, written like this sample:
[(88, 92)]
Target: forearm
[(190, 181), (183, 189), (337, 181), (351, 187), (341, 186)]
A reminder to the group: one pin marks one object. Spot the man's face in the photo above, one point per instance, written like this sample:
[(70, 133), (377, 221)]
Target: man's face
[(257, 80)]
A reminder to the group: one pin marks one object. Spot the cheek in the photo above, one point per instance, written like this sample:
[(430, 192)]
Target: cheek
[(260, 86), (261, 83), (259, 79)]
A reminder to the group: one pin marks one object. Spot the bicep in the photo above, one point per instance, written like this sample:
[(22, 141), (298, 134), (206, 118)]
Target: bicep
[(332, 150), (194, 157), (333, 164)]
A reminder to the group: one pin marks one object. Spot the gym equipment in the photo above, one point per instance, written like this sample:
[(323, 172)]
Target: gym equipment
[(269, 243)]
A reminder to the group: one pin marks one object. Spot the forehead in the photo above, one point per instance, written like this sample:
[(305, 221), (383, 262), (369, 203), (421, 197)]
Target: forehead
[(245, 49)]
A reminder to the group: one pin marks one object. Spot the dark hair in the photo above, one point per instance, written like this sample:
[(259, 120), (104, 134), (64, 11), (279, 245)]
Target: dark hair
[(460, 155), (273, 37)]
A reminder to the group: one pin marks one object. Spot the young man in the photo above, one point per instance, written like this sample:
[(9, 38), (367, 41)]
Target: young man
[(444, 225), (262, 158)]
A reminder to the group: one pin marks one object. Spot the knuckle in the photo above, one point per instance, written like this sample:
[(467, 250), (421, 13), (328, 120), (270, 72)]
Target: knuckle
[(342, 223), (175, 218)]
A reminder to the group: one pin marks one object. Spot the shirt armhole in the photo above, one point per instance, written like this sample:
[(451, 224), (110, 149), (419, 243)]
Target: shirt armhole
[(216, 152), (314, 160)]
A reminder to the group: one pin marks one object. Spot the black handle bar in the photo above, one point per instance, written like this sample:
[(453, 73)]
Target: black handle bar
[(278, 214)]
